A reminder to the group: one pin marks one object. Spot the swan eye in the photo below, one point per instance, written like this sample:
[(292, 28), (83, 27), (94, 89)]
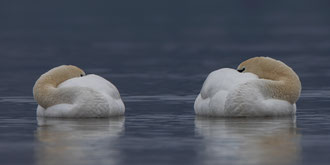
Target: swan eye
[(241, 70), (81, 75)]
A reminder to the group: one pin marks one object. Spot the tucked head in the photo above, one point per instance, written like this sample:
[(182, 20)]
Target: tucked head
[(44, 90), (65, 72), (285, 85), (69, 71), (60, 74), (265, 67), (72, 70)]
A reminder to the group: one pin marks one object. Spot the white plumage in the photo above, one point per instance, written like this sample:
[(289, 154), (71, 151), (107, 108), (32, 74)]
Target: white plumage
[(90, 96), (226, 92)]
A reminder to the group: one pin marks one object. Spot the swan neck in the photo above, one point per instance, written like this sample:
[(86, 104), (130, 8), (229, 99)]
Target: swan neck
[(285, 88), (45, 91)]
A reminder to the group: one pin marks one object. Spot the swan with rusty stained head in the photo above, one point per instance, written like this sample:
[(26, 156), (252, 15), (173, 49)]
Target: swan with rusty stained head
[(66, 91), (261, 86)]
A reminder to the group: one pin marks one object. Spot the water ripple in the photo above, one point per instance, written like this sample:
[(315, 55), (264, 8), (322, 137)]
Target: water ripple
[(319, 93), (186, 98), (17, 99), (141, 98)]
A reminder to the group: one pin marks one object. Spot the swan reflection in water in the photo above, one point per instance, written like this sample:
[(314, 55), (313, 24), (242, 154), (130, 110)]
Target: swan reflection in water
[(248, 140), (78, 141)]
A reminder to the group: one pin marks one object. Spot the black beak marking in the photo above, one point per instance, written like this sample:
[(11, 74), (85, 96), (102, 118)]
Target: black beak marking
[(241, 70)]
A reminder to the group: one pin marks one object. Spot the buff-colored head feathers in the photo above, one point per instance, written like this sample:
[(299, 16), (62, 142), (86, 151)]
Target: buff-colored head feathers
[(45, 87), (64, 72), (266, 68), (285, 81)]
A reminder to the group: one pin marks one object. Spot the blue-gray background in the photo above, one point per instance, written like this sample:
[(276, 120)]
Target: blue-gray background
[(158, 53)]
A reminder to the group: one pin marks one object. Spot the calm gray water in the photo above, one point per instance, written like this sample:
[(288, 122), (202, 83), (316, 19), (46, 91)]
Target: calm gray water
[(158, 54)]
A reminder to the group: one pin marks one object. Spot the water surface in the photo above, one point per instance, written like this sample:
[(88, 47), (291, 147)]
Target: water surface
[(158, 54)]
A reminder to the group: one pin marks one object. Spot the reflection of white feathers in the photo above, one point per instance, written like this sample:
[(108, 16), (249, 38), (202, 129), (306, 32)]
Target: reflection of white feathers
[(227, 92), (248, 141), (91, 95), (78, 141)]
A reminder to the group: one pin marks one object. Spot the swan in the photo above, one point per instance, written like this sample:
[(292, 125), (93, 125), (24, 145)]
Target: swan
[(66, 91), (261, 86)]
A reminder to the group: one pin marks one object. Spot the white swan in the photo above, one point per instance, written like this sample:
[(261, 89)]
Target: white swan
[(66, 91), (261, 86)]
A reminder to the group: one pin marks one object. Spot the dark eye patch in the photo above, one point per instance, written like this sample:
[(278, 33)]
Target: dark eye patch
[(241, 70), (81, 75)]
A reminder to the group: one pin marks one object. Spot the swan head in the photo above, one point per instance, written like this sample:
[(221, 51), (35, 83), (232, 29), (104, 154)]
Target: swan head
[(266, 68), (285, 81), (67, 72), (62, 73), (44, 87)]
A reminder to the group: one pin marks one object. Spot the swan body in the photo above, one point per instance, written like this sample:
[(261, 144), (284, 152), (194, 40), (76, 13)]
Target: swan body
[(62, 92), (264, 87)]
